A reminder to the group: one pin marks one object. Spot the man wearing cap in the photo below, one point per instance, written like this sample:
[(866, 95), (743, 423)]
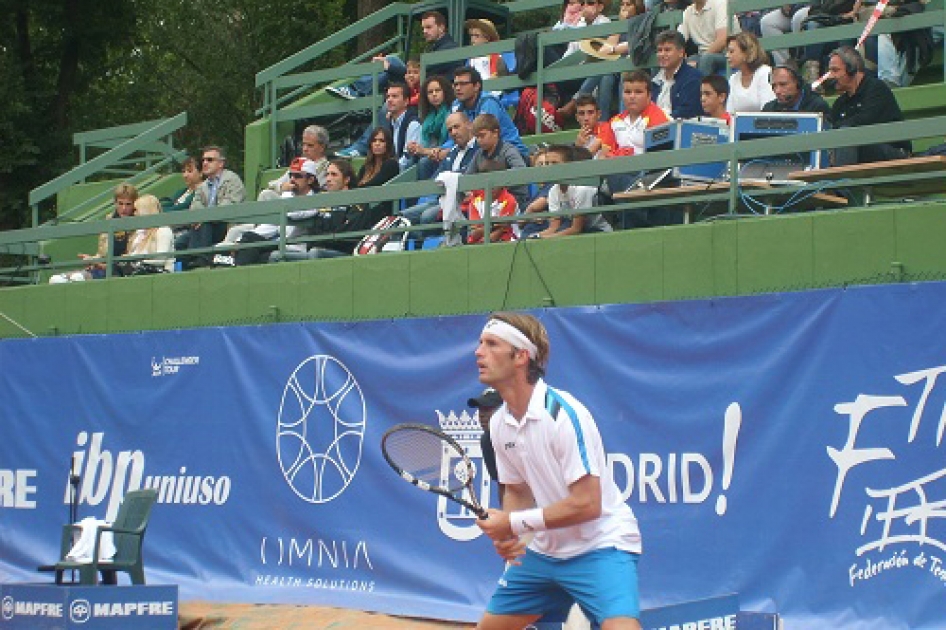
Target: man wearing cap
[(558, 487), (315, 140), (303, 182)]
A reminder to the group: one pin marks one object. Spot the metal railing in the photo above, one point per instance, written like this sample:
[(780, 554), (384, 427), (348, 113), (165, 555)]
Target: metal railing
[(152, 143), (275, 212)]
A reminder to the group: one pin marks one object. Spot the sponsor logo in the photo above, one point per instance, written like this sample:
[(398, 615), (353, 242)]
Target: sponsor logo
[(457, 521), (320, 429), (17, 489), (167, 366), (331, 563), (6, 608), (105, 476), (899, 505), (11, 608), (154, 608), (80, 611)]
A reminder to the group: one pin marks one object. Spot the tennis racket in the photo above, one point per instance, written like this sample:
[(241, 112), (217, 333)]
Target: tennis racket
[(432, 461)]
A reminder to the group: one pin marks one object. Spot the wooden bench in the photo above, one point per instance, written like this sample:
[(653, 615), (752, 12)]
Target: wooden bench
[(682, 197), (892, 169)]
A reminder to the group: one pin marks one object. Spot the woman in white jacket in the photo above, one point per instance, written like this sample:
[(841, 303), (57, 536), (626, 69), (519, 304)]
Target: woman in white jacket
[(154, 240)]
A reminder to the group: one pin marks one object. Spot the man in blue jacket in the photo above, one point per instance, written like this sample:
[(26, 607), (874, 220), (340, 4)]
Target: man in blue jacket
[(676, 87), (468, 87)]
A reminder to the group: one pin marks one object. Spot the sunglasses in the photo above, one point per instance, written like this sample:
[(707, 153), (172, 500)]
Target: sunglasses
[(209, 159), (297, 175)]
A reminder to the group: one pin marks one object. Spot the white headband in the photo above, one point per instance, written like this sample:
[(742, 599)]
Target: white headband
[(510, 334)]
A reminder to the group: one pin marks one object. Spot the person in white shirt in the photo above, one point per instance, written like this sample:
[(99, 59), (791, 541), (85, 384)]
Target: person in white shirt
[(565, 197), (558, 487), (706, 24), (750, 87)]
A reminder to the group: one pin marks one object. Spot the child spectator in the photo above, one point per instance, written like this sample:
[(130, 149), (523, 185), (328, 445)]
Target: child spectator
[(539, 201), (590, 128), (750, 87), (714, 92), (624, 135), (503, 205), (412, 79), (567, 197)]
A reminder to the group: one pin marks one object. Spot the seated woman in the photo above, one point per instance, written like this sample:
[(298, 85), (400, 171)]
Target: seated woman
[(436, 97), (750, 87), (153, 240), (380, 166)]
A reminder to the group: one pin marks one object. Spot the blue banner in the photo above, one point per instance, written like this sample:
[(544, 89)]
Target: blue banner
[(784, 447)]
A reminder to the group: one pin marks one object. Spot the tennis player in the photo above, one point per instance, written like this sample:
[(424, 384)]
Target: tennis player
[(550, 459)]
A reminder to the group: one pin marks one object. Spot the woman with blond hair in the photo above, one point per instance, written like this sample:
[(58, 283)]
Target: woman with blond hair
[(153, 240), (750, 87)]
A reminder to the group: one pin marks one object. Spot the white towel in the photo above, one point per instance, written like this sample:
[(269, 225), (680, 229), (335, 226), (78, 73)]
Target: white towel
[(82, 550), (450, 206)]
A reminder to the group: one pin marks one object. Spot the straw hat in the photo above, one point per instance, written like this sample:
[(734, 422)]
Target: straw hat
[(594, 48), (486, 27)]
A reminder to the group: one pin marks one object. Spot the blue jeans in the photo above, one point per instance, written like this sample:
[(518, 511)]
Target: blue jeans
[(394, 74), (608, 93), (710, 63)]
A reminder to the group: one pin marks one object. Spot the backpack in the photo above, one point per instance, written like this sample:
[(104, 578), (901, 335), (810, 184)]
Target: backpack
[(526, 112), (376, 243)]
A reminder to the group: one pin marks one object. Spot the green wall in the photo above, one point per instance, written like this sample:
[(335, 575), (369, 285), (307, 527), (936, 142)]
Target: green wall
[(728, 257)]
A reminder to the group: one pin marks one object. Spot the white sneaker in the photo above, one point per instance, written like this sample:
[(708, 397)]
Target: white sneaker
[(342, 91), (220, 260)]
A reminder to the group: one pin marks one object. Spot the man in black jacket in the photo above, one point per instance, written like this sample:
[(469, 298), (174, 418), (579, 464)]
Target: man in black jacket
[(863, 101)]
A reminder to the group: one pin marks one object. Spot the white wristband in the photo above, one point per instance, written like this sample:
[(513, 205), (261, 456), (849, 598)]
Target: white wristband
[(527, 521)]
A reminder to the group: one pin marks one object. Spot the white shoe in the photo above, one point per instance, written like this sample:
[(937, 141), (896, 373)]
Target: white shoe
[(342, 91)]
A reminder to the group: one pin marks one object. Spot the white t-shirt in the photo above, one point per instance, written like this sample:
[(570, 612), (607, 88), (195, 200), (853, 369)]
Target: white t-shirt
[(752, 98), (578, 198), (701, 26), (549, 454)]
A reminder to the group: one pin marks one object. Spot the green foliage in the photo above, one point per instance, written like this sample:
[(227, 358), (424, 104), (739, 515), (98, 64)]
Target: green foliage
[(68, 66)]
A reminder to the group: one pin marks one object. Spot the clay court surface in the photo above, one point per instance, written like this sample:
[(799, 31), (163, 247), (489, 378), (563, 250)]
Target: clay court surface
[(196, 615)]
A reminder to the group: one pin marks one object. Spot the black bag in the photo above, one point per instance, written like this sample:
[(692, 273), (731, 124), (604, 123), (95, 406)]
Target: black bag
[(527, 58)]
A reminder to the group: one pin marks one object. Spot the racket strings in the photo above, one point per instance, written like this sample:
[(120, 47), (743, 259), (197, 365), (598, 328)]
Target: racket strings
[(421, 454)]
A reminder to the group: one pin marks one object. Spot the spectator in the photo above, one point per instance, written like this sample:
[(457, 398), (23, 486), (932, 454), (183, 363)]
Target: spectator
[(380, 166), (457, 160), (153, 240), (822, 13), (124, 197), (303, 182), (486, 130), (566, 198), (503, 204), (221, 187), (492, 65), (590, 126), (315, 140), (677, 84), (750, 87), (792, 95), (592, 14), (468, 87), (625, 134), (181, 200), (436, 97), (862, 101), (786, 19), (706, 24), (412, 79), (606, 86), (403, 123), (434, 29), (714, 92), (333, 220), (539, 201)]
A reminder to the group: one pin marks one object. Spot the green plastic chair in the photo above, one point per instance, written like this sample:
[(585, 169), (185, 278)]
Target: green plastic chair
[(128, 529)]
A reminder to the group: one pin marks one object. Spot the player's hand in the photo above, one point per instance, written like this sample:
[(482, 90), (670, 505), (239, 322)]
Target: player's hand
[(511, 550), (496, 526)]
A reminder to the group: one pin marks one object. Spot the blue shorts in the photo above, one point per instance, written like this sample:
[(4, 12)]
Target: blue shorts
[(603, 582)]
